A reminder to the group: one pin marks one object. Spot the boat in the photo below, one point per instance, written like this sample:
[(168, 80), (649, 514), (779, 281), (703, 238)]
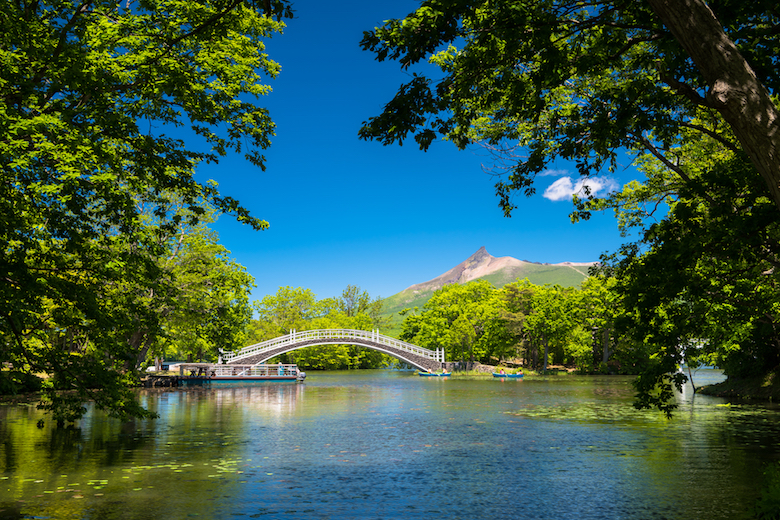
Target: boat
[(435, 374), (199, 373), (519, 375)]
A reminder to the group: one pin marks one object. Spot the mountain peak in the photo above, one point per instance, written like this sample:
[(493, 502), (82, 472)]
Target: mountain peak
[(478, 265), (498, 271), (480, 256)]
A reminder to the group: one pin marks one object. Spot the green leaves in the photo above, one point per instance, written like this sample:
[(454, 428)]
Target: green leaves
[(91, 185), (465, 320), (563, 79), (298, 309), (584, 81), (579, 81), (209, 304)]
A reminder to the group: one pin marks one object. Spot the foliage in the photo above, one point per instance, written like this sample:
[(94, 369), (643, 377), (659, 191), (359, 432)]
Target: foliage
[(568, 326), (464, 320), (544, 321), (600, 306), (289, 309), (768, 506), (210, 309), (90, 92), (539, 324), (353, 303), (550, 323), (298, 309), (13, 382), (578, 80), (701, 284), (689, 89)]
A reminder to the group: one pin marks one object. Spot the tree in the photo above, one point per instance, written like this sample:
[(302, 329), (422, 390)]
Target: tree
[(598, 306), (733, 88), (573, 326), (583, 80), (691, 89), (464, 320), (90, 92), (551, 322), (702, 282), (210, 309), (518, 296), (289, 309), (353, 303)]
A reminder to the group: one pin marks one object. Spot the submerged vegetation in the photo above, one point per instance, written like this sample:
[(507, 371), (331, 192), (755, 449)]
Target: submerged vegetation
[(768, 505)]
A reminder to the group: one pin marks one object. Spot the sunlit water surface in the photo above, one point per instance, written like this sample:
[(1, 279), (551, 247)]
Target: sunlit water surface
[(380, 444)]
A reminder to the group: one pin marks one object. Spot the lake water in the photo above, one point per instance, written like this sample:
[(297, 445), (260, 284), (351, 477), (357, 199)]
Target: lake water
[(382, 444)]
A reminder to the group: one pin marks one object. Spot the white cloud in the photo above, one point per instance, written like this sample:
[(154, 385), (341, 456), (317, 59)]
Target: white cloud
[(553, 173), (564, 188)]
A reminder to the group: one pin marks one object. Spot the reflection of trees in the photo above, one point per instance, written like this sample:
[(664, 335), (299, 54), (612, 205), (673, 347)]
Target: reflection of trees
[(110, 442), (116, 469)]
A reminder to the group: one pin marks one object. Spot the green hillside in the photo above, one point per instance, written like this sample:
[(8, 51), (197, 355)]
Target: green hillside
[(538, 274)]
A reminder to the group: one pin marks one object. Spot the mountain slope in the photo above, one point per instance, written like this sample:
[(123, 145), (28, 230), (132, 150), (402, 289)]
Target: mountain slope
[(498, 271)]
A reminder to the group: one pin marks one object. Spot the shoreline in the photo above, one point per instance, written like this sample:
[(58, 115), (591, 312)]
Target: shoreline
[(761, 388)]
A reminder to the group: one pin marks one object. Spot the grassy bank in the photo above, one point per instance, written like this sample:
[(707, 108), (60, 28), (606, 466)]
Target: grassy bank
[(526, 372), (763, 388)]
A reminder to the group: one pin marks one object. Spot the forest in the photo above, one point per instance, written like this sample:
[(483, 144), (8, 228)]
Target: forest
[(519, 323)]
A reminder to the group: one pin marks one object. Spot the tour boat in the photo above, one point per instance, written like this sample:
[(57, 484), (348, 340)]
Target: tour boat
[(519, 375), (435, 374), (211, 373)]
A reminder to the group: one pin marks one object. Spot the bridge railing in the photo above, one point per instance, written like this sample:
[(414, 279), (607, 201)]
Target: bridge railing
[(332, 334)]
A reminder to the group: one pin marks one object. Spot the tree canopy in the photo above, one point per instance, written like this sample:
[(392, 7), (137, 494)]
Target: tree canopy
[(533, 324), (90, 93), (583, 81), (690, 89)]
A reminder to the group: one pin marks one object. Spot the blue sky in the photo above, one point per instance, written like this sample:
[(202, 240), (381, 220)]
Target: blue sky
[(344, 211)]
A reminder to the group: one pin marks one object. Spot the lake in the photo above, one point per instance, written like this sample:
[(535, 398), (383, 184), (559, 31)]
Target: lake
[(387, 444)]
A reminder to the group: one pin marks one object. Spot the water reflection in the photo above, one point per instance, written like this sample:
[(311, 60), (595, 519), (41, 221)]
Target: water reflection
[(390, 445)]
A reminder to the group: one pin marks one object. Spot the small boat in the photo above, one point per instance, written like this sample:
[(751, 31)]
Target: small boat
[(199, 373), (435, 374), (519, 375)]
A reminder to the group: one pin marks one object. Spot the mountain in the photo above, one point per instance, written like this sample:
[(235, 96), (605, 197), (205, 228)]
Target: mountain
[(498, 271)]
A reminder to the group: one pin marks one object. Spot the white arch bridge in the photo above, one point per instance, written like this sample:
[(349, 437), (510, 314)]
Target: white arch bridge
[(419, 357)]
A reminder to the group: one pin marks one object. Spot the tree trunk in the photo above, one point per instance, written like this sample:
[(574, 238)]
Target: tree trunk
[(140, 343), (735, 90)]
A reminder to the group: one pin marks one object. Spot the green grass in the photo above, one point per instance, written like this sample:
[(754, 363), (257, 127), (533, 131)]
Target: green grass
[(537, 274)]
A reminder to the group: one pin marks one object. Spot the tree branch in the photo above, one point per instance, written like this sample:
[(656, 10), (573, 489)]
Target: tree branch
[(735, 90)]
